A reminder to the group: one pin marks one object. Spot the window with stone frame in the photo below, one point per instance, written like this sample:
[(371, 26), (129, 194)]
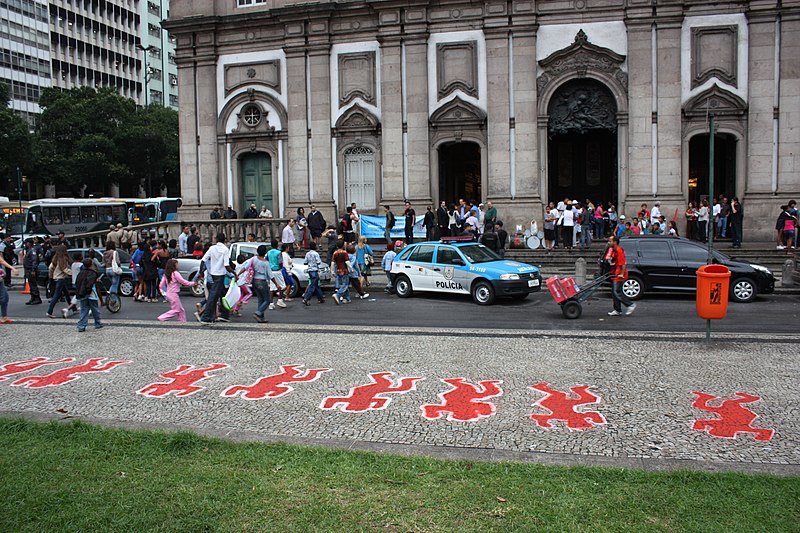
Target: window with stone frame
[(251, 115)]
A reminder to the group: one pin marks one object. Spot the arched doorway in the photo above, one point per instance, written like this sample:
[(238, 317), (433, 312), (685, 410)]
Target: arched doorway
[(724, 166), (256, 181), (582, 142), (459, 172)]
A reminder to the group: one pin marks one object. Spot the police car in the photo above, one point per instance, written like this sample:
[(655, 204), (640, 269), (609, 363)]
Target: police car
[(461, 266)]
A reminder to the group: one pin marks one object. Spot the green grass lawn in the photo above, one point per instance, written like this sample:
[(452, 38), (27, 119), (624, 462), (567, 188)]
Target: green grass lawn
[(80, 477)]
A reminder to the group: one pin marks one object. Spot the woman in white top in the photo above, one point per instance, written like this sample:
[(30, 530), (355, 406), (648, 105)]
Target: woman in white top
[(702, 221), (568, 226)]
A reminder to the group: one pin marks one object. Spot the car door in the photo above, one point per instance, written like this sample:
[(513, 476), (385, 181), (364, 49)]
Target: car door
[(448, 273), (690, 257), (420, 264), (654, 260)]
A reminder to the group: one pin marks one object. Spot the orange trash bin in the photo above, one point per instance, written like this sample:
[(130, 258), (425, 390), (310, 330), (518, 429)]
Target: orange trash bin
[(713, 283)]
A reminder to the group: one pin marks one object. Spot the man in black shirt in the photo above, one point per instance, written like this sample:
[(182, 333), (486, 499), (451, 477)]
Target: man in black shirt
[(443, 220), (251, 212), (502, 238), (191, 241), (411, 217), (430, 224), (33, 255), (316, 224)]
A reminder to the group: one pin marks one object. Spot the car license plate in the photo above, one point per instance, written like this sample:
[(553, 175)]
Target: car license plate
[(533, 283)]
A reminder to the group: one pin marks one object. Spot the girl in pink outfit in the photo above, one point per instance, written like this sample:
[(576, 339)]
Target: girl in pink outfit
[(170, 287)]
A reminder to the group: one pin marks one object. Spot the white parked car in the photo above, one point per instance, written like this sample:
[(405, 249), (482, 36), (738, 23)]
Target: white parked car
[(299, 270)]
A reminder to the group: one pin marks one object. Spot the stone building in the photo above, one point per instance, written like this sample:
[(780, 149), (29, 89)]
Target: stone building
[(520, 102)]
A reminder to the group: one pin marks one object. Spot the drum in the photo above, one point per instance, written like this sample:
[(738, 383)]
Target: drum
[(527, 233), (540, 235), (534, 242)]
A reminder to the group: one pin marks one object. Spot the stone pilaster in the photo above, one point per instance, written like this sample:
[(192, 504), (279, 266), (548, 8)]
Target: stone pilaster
[(419, 172), (525, 110), (640, 119), (392, 122), (670, 137), (298, 130), (497, 106), (322, 159)]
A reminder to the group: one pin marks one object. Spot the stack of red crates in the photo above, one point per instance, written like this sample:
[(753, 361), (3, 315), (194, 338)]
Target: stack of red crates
[(562, 289)]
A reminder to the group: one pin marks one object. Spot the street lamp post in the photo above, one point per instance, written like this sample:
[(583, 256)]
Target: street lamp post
[(145, 50)]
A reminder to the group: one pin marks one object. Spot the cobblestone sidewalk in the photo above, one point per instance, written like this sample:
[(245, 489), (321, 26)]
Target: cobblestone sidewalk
[(647, 401)]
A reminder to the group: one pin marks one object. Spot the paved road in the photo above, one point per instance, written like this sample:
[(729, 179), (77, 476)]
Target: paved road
[(641, 397), (665, 313)]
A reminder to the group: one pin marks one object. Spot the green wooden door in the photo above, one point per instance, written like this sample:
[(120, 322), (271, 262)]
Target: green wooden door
[(256, 172)]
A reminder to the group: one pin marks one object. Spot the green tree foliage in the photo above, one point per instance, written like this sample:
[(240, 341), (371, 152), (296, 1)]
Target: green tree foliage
[(149, 148), (15, 141), (96, 138)]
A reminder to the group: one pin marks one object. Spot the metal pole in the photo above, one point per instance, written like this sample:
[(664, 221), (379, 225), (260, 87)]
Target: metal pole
[(19, 198), (709, 230)]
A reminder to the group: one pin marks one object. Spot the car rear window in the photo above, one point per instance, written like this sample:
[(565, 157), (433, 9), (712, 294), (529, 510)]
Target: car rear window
[(690, 253), (654, 249), (422, 254)]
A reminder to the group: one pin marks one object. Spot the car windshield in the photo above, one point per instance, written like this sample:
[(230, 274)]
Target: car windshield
[(478, 253)]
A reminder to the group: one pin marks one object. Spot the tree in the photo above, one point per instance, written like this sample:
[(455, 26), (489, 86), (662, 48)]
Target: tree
[(77, 141), (15, 142), (149, 148)]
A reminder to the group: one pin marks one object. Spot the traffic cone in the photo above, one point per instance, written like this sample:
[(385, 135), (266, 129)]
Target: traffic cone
[(27, 289)]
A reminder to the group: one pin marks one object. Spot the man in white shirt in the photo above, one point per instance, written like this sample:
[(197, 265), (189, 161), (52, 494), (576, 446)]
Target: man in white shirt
[(655, 213), (217, 261), (287, 236), (182, 240), (356, 219)]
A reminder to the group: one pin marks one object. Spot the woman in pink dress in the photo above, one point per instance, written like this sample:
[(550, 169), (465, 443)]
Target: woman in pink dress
[(170, 287)]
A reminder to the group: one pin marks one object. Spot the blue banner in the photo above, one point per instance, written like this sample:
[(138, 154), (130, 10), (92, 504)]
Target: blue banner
[(372, 227)]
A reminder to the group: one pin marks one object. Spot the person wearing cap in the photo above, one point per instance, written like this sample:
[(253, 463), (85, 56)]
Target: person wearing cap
[(251, 212), (469, 230), (62, 241)]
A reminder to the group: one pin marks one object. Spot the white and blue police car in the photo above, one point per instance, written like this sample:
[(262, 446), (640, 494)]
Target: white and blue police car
[(459, 266)]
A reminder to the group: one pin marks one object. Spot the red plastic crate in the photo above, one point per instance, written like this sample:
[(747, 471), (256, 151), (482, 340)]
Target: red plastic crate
[(570, 287), (554, 284)]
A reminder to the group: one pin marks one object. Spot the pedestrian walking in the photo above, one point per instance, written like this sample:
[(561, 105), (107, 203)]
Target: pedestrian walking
[(341, 267), (355, 272), (386, 264), (217, 265), (86, 292), (262, 273), (170, 287), (245, 281), (33, 256), (8, 254), (275, 262), (4, 292), (387, 230), (60, 272), (313, 261), (615, 257), (112, 265), (365, 258)]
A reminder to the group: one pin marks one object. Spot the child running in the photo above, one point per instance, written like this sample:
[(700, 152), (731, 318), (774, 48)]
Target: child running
[(171, 288)]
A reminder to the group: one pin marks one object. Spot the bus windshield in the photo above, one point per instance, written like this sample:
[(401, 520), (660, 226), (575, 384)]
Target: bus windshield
[(11, 222)]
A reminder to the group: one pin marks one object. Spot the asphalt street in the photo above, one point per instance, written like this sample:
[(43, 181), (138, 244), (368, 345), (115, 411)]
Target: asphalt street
[(659, 313)]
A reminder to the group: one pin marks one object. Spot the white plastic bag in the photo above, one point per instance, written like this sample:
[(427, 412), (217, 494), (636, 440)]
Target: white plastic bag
[(534, 228), (232, 297)]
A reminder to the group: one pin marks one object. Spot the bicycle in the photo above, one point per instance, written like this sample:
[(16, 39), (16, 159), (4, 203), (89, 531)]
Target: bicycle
[(110, 300)]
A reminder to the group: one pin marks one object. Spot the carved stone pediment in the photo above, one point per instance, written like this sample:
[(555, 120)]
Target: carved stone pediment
[(459, 113), (717, 101), (357, 119), (579, 58)]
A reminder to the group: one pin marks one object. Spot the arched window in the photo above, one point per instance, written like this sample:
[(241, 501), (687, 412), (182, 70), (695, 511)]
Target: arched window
[(359, 176)]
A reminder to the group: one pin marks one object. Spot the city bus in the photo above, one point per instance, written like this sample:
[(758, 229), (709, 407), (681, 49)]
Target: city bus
[(146, 210), (49, 216)]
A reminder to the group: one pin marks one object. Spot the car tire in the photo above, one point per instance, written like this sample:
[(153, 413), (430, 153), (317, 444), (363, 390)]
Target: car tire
[(483, 293), (199, 290), (403, 287), (572, 310), (296, 290), (633, 287), (126, 287), (743, 290)]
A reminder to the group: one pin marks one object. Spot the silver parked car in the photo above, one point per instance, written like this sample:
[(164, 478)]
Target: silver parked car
[(299, 270)]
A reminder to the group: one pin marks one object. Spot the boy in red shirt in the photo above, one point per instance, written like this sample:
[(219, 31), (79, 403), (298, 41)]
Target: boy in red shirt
[(619, 273)]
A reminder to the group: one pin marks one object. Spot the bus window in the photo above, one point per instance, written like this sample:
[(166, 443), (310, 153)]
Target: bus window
[(169, 209), (89, 214), (119, 213), (35, 220), (72, 215), (52, 216), (150, 213), (104, 213)]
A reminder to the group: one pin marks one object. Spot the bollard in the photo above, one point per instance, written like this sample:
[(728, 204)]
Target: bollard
[(786, 273), (580, 271)]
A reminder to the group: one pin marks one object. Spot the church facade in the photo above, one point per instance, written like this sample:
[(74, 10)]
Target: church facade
[(287, 104)]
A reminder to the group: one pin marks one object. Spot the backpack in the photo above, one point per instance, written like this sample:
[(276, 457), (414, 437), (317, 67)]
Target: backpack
[(391, 221)]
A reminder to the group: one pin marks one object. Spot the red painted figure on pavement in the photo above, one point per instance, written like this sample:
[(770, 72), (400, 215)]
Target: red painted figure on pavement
[(733, 417), (20, 367), (65, 375), (562, 407), (275, 385), (183, 381), (462, 401), (365, 397)]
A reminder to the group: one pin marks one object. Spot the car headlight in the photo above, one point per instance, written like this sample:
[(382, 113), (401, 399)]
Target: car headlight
[(506, 277), (763, 269)]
